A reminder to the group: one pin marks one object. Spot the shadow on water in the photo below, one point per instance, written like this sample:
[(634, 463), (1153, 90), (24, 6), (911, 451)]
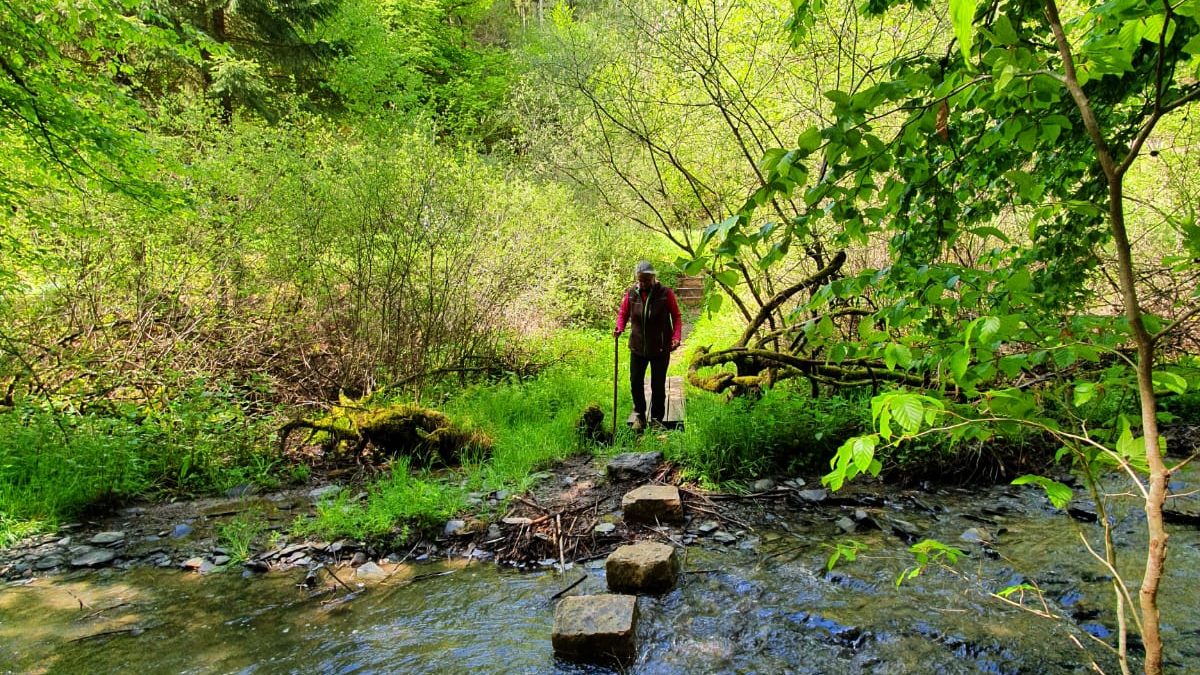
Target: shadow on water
[(767, 606)]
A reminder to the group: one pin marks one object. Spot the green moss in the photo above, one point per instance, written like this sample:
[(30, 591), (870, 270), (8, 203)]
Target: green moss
[(400, 429)]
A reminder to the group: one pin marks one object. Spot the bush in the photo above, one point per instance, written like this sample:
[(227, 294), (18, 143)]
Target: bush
[(745, 439)]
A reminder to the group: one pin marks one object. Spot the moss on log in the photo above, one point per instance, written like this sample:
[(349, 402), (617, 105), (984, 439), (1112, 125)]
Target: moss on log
[(401, 429)]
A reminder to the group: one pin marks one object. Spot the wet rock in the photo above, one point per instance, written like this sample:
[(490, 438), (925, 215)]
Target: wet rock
[(846, 525), (707, 527), (975, 535), (605, 528), (181, 530), (93, 558), (633, 465), (763, 485), (206, 567), (241, 491), (813, 496), (904, 529), (724, 537), (653, 504), (454, 527), (47, 563), (369, 571), (221, 560), (795, 483), (645, 567), (106, 538), (324, 492), (358, 559), (595, 628), (1082, 514), (64, 542), (192, 563)]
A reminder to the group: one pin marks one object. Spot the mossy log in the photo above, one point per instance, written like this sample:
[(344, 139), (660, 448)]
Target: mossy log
[(757, 368), (401, 429)]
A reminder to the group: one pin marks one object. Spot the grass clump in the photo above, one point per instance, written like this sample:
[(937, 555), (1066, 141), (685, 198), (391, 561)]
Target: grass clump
[(238, 535), (393, 506)]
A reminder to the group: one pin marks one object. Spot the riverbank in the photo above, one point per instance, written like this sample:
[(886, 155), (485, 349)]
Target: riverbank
[(756, 592)]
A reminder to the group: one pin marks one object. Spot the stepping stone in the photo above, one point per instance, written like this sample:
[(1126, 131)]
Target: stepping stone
[(645, 567), (653, 504), (633, 465), (596, 628)]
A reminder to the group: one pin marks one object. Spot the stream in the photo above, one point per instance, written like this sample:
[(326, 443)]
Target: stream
[(762, 604)]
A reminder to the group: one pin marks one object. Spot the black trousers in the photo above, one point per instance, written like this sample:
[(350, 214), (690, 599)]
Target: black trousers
[(658, 383)]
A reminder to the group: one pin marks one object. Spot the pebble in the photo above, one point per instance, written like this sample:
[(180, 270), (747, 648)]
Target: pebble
[(369, 570), (221, 560), (181, 530), (813, 496), (846, 525), (763, 485), (454, 527), (192, 563), (975, 535), (723, 537), (707, 526), (605, 528)]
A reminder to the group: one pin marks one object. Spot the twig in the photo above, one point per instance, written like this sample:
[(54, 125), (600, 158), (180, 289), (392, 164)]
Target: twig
[(562, 562), (563, 592), (119, 631), (337, 578)]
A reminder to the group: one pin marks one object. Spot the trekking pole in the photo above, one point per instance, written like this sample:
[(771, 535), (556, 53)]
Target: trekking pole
[(616, 377)]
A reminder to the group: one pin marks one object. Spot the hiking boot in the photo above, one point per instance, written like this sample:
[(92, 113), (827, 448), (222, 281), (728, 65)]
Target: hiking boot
[(637, 421)]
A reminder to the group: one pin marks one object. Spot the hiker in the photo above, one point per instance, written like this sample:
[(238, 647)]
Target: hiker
[(655, 327)]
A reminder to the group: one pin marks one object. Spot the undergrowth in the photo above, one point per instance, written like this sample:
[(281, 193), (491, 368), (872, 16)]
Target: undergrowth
[(55, 464)]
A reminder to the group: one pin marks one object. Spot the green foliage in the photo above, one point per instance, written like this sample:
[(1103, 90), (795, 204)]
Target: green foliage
[(744, 439), (532, 423), (393, 506), (847, 550), (1056, 492), (928, 552), (239, 534), (56, 464)]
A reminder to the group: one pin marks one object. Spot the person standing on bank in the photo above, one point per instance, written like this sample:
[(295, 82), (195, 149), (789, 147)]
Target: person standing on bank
[(655, 329)]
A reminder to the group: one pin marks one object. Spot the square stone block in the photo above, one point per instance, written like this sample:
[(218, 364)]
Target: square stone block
[(645, 567), (653, 504), (596, 628)]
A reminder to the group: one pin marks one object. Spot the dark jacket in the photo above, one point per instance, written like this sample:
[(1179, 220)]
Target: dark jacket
[(654, 320)]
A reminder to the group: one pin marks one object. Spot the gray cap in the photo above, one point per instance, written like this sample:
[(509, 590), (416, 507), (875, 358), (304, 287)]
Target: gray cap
[(644, 267)]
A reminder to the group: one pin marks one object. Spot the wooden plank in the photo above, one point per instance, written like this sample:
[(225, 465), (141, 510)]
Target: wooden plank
[(675, 401)]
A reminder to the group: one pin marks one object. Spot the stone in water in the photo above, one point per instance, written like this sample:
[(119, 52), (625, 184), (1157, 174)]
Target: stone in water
[(596, 628)]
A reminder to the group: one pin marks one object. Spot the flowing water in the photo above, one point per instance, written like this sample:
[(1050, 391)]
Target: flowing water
[(762, 605)]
